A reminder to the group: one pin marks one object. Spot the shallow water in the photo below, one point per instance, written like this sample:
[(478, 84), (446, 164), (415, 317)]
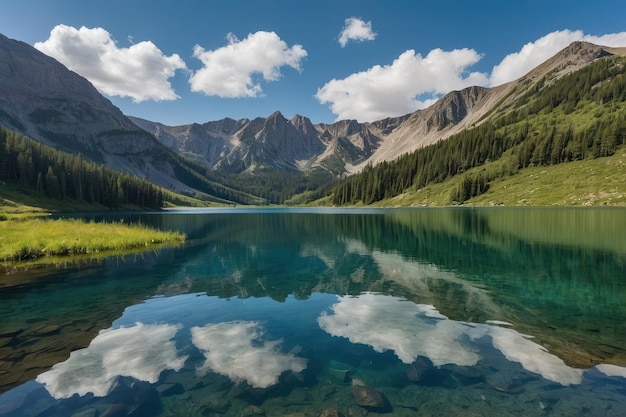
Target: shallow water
[(292, 312)]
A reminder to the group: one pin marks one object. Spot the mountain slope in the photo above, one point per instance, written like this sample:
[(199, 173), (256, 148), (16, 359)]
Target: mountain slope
[(572, 108), (473, 104), (451, 114), (41, 99)]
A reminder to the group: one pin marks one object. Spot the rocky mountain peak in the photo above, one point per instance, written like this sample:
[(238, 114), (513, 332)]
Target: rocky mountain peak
[(571, 58), (42, 95), (583, 51), (303, 124), (455, 106), (23, 68), (276, 117), (226, 126)]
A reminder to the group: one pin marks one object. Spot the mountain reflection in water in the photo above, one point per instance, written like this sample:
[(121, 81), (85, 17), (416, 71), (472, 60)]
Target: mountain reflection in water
[(442, 311)]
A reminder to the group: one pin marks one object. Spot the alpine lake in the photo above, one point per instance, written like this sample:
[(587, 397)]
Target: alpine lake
[(329, 312)]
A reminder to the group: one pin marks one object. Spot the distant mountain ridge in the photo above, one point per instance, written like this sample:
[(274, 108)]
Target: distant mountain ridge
[(42, 99), (347, 146)]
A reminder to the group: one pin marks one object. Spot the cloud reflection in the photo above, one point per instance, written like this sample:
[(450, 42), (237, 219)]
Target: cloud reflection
[(141, 351), (236, 349), (411, 330), (612, 370)]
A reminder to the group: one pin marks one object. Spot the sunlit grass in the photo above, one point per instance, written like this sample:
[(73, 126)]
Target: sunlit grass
[(591, 182), (34, 238)]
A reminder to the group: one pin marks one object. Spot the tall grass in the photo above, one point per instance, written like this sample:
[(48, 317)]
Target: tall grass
[(35, 238)]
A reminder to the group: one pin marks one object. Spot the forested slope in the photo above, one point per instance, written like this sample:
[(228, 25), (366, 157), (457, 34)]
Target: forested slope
[(577, 116), (45, 171), (59, 175)]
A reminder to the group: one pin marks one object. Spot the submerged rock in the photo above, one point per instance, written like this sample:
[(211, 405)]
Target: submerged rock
[(330, 412), (339, 371), (467, 375), (10, 331), (418, 370), (45, 330), (357, 381), (5, 341), (369, 398), (11, 355)]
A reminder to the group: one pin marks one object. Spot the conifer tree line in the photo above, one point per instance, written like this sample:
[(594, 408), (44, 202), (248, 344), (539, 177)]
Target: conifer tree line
[(542, 130), (61, 175), (266, 186), (57, 174), (276, 187), (216, 187)]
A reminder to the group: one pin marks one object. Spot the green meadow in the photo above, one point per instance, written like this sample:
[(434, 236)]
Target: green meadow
[(27, 239)]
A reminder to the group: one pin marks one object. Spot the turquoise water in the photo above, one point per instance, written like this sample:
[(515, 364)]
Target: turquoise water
[(404, 312)]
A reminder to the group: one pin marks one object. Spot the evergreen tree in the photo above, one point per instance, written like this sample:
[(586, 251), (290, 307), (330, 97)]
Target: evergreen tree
[(52, 184)]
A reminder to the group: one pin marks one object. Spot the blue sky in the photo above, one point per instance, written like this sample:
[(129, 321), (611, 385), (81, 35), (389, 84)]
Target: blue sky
[(197, 61)]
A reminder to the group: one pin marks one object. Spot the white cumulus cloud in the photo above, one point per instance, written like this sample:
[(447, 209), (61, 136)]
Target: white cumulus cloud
[(535, 53), (140, 71), (356, 29), (228, 71), (411, 82)]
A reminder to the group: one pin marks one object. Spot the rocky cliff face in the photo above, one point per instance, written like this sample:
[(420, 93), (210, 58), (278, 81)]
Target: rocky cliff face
[(275, 142), (42, 99)]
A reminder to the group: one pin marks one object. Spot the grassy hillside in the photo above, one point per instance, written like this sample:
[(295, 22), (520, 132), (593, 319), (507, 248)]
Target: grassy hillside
[(572, 120), (598, 181)]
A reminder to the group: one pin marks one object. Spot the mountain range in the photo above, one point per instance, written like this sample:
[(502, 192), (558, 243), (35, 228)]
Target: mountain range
[(347, 145), (297, 144), (41, 99)]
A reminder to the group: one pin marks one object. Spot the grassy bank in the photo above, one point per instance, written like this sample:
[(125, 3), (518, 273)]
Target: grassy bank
[(32, 238)]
